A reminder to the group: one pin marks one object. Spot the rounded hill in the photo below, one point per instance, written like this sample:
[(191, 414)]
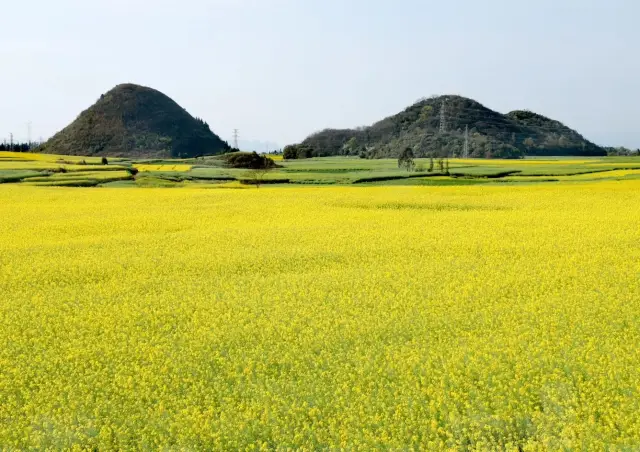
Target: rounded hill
[(487, 133), (136, 121)]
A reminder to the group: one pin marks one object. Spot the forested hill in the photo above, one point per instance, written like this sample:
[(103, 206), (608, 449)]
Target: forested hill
[(135, 121), (491, 134)]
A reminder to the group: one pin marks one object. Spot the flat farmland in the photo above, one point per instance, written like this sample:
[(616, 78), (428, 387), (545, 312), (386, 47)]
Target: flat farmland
[(482, 317)]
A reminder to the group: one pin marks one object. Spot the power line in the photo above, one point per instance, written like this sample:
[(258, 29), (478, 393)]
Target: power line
[(488, 125), (489, 129), (485, 128), (480, 123), (465, 151), (506, 118), (461, 117), (235, 138), (486, 110), (460, 113)]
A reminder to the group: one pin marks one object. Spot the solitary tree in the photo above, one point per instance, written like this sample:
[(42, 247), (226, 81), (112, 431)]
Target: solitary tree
[(350, 147), (430, 164), (290, 152), (441, 164), (405, 161), (297, 151), (259, 169)]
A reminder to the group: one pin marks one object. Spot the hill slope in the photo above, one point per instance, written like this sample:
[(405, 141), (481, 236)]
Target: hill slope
[(491, 134), (135, 121)]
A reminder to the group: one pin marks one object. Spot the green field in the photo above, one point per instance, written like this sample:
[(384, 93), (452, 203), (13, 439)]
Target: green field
[(51, 170)]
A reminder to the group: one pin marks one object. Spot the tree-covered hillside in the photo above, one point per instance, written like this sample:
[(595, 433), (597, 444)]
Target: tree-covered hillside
[(490, 134), (136, 121)]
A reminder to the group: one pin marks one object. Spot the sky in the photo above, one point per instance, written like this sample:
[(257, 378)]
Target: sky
[(279, 70)]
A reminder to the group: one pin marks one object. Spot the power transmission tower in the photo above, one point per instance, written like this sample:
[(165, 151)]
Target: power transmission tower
[(11, 141), (465, 151), (29, 133), (443, 119), (235, 138)]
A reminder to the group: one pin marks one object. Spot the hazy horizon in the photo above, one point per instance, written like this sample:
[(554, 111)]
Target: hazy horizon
[(279, 70)]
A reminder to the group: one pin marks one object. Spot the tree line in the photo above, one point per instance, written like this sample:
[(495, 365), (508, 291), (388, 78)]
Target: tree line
[(622, 151), (17, 147), (406, 162)]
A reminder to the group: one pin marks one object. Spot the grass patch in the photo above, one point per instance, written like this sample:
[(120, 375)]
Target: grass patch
[(17, 176), (435, 182), (397, 177), (263, 181), (67, 183)]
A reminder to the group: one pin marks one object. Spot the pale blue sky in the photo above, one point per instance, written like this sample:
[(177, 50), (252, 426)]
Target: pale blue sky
[(279, 70)]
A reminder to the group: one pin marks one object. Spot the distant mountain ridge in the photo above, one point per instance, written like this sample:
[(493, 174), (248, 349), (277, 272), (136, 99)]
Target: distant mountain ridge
[(136, 121), (491, 134), (258, 146)]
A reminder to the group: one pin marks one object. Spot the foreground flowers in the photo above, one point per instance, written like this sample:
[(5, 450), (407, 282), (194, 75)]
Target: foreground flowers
[(394, 317)]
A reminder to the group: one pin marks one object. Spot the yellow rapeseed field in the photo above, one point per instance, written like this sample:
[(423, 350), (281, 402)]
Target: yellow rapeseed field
[(153, 168), (7, 156), (461, 318), (602, 175)]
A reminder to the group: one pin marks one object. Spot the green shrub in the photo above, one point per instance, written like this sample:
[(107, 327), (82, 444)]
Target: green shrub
[(249, 160)]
